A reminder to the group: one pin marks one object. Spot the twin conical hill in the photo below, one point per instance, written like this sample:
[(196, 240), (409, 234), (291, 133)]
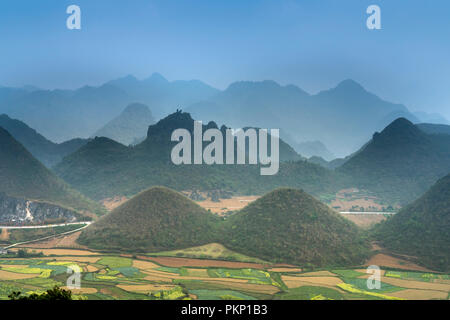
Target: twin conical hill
[(286, 225)]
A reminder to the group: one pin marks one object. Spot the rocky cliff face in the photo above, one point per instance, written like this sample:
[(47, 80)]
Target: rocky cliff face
[(15, 211)]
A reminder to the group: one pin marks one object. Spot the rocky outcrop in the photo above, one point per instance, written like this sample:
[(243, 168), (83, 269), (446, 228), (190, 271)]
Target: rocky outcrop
[(17, 211)]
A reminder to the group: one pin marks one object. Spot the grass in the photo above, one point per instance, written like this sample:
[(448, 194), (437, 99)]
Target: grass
[(362, 285), (310, 293), (221, 295), (40, 283), (21, 261), (253, 275), (116, 262), (418, 276), (28, 270), (130, 272), (180, 271), (7, 287), (347, 273), (201, 285), (213, 251), (177, 293)]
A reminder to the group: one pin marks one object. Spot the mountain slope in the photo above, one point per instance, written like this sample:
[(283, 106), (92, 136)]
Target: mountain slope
[(103, 168), (23, 176), (290, 226), (44, 150), (155, 220), (422, 228), (400, 163), (129, 126)]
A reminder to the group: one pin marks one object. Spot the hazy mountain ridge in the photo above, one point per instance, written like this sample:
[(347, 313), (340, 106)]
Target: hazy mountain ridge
[(129, 126), (313, 148), (162, 95), (104, 168), (66, 114), (342, 118), (401, 162), (46, 151), (23, 176)]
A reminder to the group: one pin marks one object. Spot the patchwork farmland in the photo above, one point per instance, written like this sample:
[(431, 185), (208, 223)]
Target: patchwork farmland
[(165, 276)]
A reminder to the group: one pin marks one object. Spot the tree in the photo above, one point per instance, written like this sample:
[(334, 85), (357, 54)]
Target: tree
[(56, 293)]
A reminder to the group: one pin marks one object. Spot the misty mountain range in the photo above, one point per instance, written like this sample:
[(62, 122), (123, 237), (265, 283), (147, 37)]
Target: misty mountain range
[(62, 115), (342, 118), (332, 123)]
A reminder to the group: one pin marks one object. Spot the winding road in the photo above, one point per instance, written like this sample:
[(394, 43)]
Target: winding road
[(85, 225), (45, 226)]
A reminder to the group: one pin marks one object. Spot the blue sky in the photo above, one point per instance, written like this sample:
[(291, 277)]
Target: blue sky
[(311, 43)]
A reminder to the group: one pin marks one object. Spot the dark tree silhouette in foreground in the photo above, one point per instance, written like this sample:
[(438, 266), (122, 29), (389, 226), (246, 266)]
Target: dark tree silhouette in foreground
[(56, 293)]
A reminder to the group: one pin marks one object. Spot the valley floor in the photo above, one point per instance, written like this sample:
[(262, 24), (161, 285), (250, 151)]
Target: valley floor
[(203, 273)]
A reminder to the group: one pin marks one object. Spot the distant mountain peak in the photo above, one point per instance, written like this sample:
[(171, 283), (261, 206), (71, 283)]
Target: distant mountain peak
[(131, 124), (349, 85), (129, 77), (241, 85), (157, 77), (400, 123), (265, 86), (400, 132), (176, 120), (137, 107), (178, 115), (401, 126), (126, 81)]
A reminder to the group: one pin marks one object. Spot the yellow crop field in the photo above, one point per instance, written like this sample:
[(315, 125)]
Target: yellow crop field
[(145, 287), (352, 289), (415, 294), (295, 282), (6, 275)]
